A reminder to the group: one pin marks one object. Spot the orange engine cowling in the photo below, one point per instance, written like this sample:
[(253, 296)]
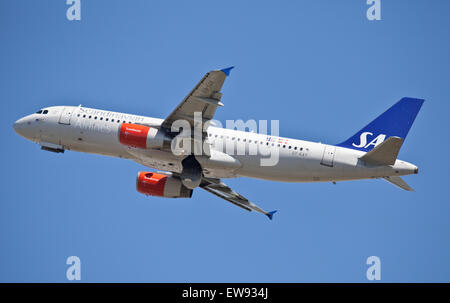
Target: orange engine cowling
[(134, 135), (142, 136), (161, 185)]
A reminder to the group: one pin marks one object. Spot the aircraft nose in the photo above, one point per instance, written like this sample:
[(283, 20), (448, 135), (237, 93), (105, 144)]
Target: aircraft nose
[(20, 125)]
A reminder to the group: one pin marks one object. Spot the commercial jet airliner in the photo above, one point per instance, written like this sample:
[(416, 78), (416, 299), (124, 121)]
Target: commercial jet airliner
[(199, 154)]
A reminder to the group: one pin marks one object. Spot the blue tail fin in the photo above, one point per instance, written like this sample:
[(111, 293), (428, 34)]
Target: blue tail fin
[(396, 121)]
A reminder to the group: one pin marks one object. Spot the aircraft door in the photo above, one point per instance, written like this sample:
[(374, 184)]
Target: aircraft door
[(328, 155), (66, 114)]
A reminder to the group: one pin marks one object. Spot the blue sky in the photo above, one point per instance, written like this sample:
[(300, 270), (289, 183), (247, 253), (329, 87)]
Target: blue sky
[(320, 67)]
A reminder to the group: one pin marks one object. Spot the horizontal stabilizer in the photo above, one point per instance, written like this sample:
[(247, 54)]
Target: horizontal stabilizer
[(397, 181), (385, 153)]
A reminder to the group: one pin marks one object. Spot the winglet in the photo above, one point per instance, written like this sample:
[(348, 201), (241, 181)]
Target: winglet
[(227, 70), (270, 214)]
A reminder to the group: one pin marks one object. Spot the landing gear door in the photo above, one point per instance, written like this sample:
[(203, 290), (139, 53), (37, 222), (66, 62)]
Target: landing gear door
[(328, 155), (66, 114)]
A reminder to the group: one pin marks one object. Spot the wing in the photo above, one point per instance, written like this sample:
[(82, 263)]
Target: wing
[(218, 188), (204, 99)]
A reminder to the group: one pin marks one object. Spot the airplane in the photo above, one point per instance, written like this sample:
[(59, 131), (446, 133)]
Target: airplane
[(371, 153)]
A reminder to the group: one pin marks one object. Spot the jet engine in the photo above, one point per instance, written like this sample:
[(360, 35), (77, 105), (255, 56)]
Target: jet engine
[(161, 185), (142, 136), (191, 175)]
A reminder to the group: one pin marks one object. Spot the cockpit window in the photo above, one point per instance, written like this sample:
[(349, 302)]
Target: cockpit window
[(45, 112), (39, 111)]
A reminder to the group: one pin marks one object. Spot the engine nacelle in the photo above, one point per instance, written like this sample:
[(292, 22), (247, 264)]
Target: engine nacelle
[(161, 185), (142, 136)]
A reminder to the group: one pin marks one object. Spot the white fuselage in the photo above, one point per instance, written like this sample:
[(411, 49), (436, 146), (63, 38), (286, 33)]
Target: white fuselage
[(97, 131)]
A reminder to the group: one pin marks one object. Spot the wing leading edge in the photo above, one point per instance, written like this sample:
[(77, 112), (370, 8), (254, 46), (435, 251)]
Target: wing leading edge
[(220, 189), (204, 98), (198, 108)]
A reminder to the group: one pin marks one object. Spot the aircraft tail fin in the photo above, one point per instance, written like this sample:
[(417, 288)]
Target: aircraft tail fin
[(397, 181), (395, 122), (384, 154)]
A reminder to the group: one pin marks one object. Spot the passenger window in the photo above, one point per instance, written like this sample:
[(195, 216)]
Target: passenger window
[(84, 116), (301, 148), (118, 121), (284, 146), (95, 117), (295, 148), (101, 118), (106, 119), (112, 120), (290, 147), (78, 115), (90, 117)]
